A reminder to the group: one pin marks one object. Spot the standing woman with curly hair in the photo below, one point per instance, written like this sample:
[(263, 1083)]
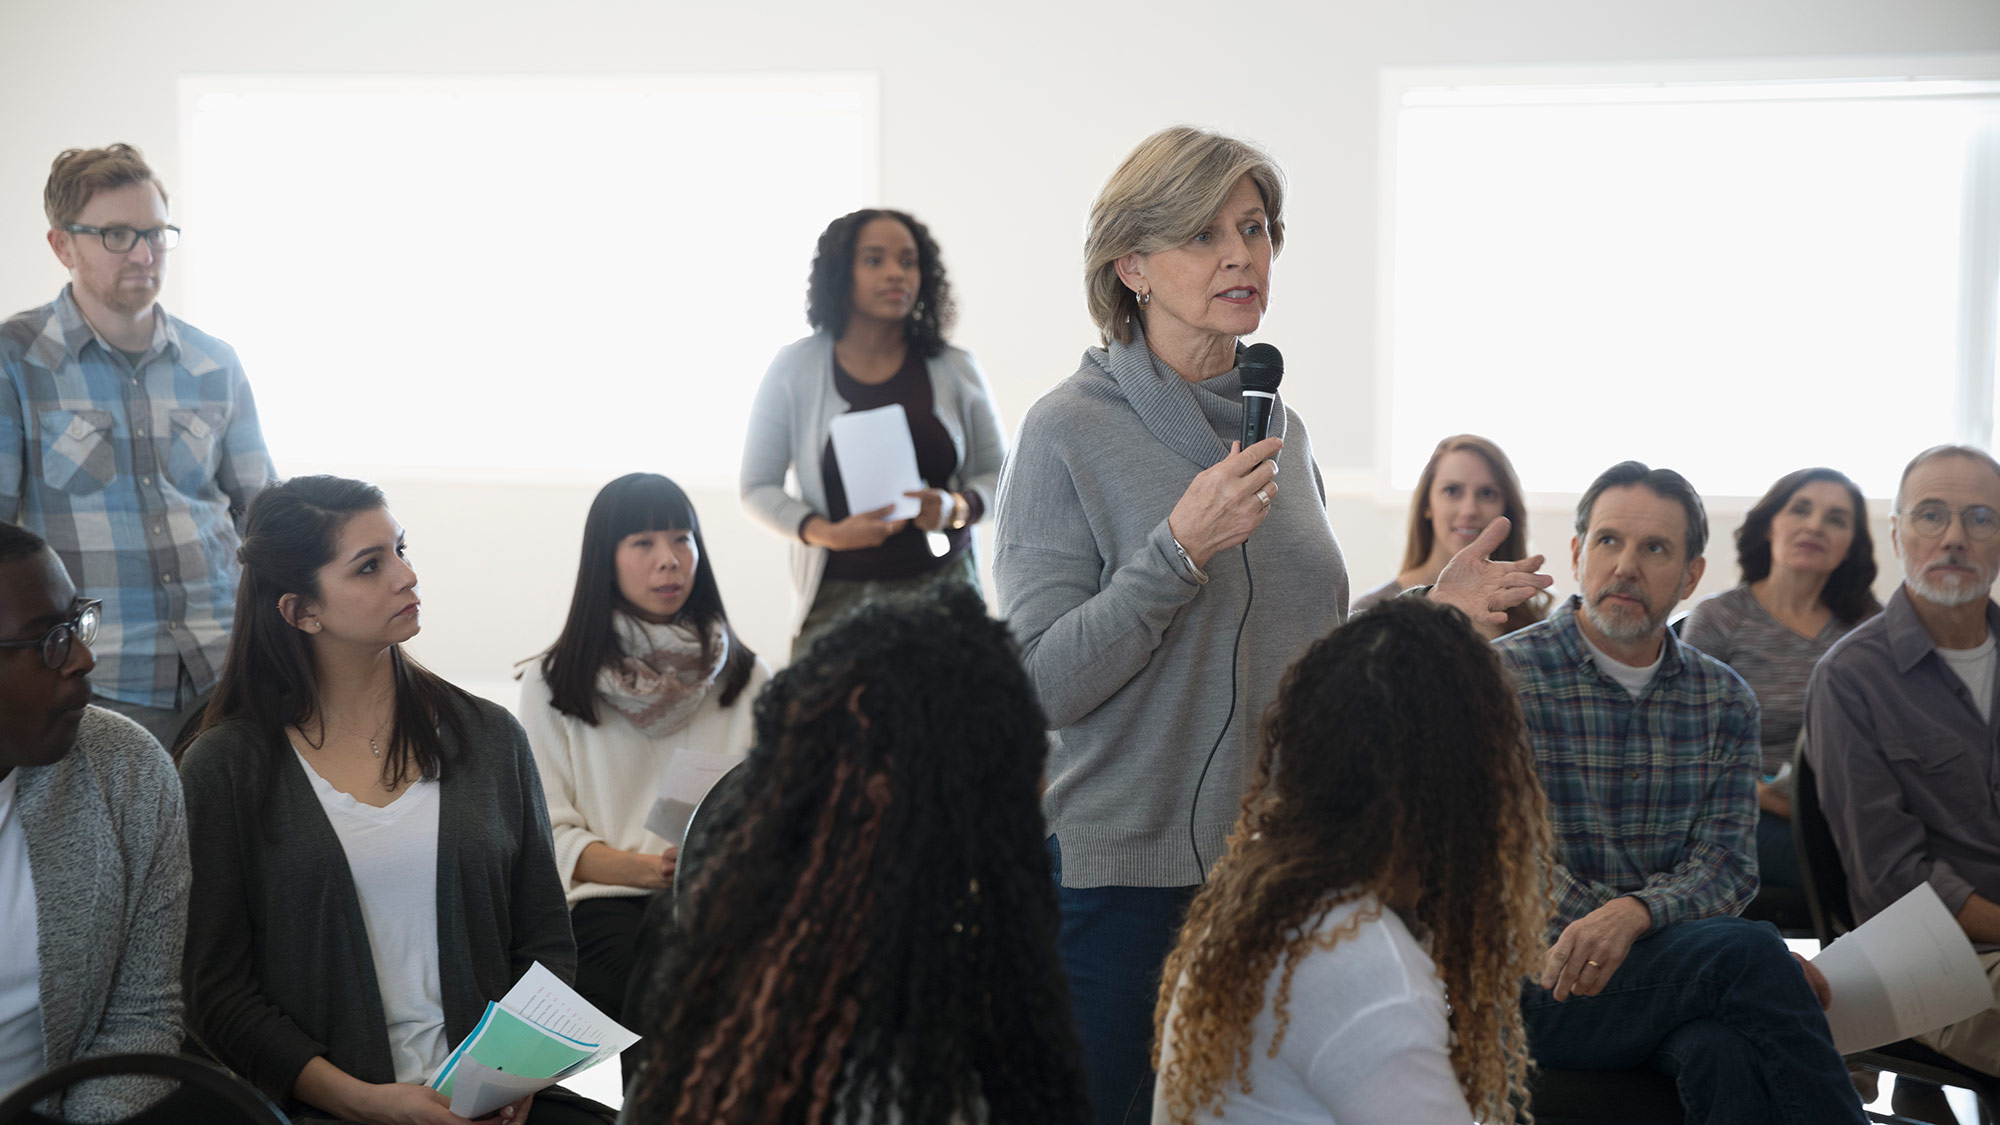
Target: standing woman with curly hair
[(1357, 954), (880, 307), (875, 941)]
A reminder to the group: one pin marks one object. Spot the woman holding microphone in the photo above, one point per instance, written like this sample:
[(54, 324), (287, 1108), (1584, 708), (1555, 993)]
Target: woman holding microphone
[(1161, 580)]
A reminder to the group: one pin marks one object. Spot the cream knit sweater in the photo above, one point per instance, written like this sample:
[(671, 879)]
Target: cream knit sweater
[(601, 781)]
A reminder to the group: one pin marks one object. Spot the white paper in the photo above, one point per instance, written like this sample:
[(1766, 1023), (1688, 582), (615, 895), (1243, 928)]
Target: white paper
[(878, 462), (552, 1008), (1906, 971), (481, 1090), (690, 776)]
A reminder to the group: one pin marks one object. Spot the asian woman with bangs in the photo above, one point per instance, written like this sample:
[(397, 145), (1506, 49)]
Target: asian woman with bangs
[(646, 669)]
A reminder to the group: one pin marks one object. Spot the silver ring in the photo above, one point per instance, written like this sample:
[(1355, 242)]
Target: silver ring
[(1264, 498)]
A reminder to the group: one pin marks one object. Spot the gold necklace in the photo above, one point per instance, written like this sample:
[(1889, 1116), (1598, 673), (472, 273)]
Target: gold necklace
[(374, 747)]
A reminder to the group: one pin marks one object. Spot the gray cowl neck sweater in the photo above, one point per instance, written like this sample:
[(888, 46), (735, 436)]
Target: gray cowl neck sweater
[(1130, 656)]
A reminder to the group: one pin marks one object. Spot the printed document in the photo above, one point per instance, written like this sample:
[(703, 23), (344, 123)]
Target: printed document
[(540, 1033), (877, 459), (1906, 971)]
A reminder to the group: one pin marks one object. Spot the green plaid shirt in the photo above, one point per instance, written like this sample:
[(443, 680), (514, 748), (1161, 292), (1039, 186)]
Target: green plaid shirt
[(1654, 797)]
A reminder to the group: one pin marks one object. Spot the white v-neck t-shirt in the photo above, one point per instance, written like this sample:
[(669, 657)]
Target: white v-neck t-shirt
[(22, 1055), (392, 856)]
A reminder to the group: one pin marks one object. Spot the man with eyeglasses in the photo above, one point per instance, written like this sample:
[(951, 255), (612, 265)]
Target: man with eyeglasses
[(129, 439), (93, 852), (1902, 731)]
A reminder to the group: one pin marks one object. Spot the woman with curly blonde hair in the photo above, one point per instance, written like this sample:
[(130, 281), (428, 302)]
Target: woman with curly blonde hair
[(1357, 955)]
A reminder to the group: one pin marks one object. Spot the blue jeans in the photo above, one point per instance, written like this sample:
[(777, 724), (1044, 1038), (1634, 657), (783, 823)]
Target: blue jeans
[(1718, 1005), (1114, 942)]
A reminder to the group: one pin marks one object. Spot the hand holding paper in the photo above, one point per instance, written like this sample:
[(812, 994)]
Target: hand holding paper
[(877, 459), (1906, 971), (540, 1033)]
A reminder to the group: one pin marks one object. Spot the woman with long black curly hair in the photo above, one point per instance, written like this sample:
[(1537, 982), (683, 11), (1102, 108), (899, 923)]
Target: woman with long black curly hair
[(1357, 954), (880, 308), (876, 939)]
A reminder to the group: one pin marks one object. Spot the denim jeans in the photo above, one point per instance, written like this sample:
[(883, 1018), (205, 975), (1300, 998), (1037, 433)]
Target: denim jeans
[(1114, 942), (1717, 1004)]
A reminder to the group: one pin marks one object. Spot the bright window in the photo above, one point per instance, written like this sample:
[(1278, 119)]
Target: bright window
[(1734, 281), (514, 276)]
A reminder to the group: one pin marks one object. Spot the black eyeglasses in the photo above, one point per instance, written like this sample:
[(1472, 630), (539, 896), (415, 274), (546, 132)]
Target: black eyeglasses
[(55, 644), (121, 240)]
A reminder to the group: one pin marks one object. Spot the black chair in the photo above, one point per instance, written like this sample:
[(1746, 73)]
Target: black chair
[(1833, 915), (207, 1094)]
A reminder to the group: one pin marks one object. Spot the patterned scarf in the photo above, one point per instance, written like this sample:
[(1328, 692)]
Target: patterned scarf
[(662, 673)]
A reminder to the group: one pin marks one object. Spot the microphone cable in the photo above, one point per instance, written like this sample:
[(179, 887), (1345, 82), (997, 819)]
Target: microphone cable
[(1250, 596)]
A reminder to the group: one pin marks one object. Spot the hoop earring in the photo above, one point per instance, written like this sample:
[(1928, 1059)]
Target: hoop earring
[(1145, 297)]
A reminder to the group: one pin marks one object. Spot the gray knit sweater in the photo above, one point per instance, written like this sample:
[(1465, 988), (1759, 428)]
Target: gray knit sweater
[(107, 843), (1131, 657)]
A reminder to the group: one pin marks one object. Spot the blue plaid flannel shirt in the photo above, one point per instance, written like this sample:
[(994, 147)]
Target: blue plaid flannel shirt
[(1654, 797), (135, 474)]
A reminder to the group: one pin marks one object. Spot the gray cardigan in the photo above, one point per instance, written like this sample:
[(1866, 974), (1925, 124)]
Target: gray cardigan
[(1131, 658), (278, 967), (107, 843), (788, 429)]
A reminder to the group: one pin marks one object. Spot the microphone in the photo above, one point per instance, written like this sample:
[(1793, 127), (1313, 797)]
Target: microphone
[(1261, 370)]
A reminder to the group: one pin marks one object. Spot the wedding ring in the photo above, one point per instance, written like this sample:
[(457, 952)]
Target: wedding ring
[(1264, 498), (1593, 964)]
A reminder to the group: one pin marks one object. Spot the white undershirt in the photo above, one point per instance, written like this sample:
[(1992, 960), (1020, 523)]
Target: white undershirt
[(1975, 667), (21, 1054), (392, 855), (1633, 678)]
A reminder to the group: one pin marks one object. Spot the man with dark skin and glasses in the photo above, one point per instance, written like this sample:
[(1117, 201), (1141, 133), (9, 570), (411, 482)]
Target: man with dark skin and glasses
[(93, 853)]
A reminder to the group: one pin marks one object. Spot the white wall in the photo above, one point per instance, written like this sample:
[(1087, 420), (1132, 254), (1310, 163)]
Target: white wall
[(998, 124)]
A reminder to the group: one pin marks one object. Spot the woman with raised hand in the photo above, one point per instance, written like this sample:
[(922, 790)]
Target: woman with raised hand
[(1808, 565), (880, 309), (1467, 484), (370, 850), (646, 670), (873, 940), (1161, 580), (1357, 954)]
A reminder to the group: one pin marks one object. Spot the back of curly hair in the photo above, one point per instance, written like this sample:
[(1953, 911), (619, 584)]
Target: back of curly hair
[(875, 938), (1395, 764), (830, 291)]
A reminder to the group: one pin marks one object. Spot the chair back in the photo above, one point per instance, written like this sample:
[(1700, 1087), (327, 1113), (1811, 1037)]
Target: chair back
[(1819, 858), (207, 1092)]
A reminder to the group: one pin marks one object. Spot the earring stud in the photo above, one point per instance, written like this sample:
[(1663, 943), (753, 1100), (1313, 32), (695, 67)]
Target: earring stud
[(1145, 297)]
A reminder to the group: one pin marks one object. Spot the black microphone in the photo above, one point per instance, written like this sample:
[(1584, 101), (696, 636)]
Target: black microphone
[(1262, 369)]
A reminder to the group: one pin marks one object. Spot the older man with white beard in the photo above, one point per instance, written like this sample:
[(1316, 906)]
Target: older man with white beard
[(1648, 751), (1901, 729)]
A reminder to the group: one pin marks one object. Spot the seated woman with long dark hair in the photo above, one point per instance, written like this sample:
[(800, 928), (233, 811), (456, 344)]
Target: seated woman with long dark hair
[(646, 669), (1808, 563), (874, 940), (370, 850), (1357, 954)]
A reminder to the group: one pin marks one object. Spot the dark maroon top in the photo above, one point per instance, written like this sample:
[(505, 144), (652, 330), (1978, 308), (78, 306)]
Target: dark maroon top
[(906, 554)]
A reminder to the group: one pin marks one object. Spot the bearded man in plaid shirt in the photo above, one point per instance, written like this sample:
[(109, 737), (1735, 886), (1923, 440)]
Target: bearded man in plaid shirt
[(1648, 751), (129, 441)]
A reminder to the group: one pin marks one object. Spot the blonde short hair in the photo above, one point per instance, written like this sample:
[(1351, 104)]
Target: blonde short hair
[(80, 173), (1165, 193)]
